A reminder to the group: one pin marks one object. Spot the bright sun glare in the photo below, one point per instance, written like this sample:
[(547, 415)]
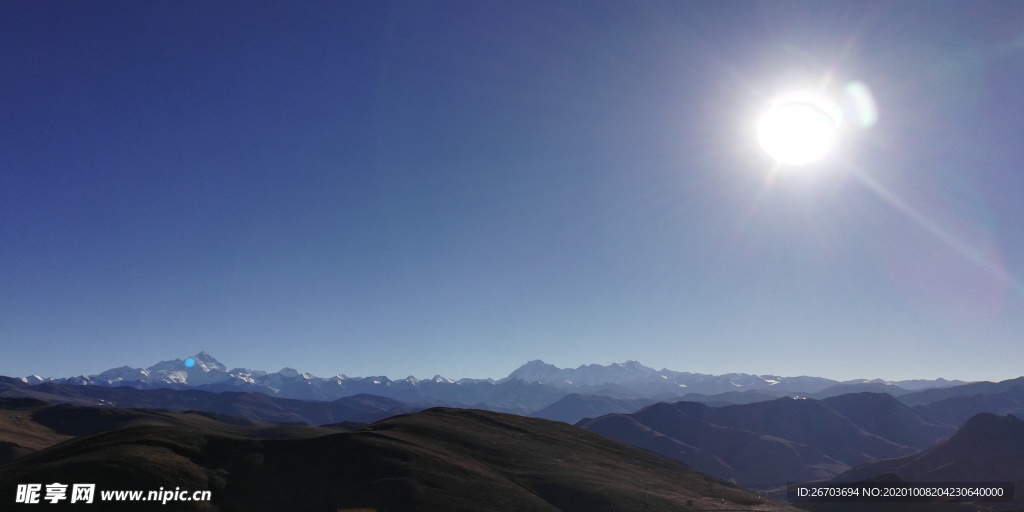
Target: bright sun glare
[(798, 130)]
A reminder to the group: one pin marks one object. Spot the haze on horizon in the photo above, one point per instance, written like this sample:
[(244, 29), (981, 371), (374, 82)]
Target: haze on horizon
[(457, 188)]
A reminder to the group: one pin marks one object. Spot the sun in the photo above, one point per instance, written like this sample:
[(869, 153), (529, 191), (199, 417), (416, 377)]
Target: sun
[(798, 130)]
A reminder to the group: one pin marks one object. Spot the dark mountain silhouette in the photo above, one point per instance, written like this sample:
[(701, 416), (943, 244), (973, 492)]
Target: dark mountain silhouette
[(809, 422), (928, 396), (860, 387), (732, 397), (988, 448), (956, 410), (574, 407), (885, 416), (439, 459), (758, 445), (676, 431), (764, 395), (19, 434)]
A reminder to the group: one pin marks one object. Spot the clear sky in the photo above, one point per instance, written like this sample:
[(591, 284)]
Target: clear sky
[(458, 187)]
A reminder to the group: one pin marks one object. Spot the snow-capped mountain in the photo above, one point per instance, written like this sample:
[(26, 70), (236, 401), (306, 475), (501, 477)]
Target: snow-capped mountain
[(530, 387), (664, 383), (650, 382), (586, 375), (207, 373)]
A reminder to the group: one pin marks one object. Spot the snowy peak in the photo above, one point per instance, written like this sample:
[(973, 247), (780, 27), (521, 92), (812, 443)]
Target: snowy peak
[(616, 373), (123, 374), (206, 362), (203, 363), (205, 370), (535, 371), (645, 381), (591, 374), (289, 373), (169, 365)]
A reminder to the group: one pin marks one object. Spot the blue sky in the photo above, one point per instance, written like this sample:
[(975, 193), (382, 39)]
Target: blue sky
[(395, 188)]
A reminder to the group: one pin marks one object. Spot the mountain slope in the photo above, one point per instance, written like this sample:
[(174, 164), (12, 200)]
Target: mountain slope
[(732, 397), (19, 434), (574, 407), (885, 416), (440, 459), (860, 387), (758, 445), (678, 432), (988, 448), (956, 410), (28, 425), (976, 388)]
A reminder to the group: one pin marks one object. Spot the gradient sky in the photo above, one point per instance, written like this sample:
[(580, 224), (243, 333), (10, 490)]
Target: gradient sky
[(458, 187)]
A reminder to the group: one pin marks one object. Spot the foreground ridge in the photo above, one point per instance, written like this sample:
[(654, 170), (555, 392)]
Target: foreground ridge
[(438, 459)]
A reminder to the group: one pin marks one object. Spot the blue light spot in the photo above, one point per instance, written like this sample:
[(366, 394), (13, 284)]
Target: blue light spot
[(189, 363)]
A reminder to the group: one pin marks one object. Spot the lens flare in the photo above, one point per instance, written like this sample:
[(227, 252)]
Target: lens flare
[(862, 104)]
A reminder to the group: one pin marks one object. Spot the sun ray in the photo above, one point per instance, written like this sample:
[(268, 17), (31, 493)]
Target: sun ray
[(970, 253)]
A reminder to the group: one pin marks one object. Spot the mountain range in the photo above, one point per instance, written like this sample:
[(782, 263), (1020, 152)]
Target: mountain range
[(528, 389)]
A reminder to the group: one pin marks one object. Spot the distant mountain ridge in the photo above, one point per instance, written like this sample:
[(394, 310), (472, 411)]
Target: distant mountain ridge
[(208, 371), (617, 380), (646, 381)]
